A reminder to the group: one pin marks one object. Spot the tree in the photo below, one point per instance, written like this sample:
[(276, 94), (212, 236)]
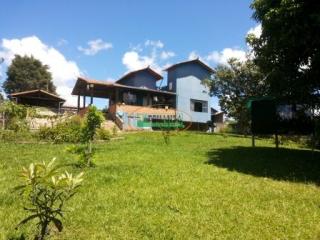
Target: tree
[(28, 73), (234, 84), (1, 98), (92, 122), (288, 50)]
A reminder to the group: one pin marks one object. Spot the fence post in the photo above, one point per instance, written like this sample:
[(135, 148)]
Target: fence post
[(277, 141), (253, 141)]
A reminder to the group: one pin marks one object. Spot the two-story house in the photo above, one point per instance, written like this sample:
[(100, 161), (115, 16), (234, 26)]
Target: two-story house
[(139, 95)]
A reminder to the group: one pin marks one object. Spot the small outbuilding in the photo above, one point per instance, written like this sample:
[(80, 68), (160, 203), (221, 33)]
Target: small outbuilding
[(217, 119), (38, 98)]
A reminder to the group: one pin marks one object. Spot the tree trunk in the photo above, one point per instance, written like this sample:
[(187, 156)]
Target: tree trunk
[(43, 231), (90, 153)]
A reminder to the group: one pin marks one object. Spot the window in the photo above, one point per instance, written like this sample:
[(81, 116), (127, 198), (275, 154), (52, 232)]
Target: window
[(198, 105), (170, 86), (129, 98)]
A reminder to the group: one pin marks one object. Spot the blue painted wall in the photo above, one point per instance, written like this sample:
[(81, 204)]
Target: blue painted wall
[(186, 82), (140, 79)]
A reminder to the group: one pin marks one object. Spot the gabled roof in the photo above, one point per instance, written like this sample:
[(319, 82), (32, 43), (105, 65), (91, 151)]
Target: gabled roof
[(31, 92), (197, 61), (151, 71)]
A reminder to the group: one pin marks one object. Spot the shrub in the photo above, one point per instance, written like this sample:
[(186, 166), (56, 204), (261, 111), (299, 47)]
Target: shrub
[(13, 136), (114, 130), (103, 134), (83, 153), (166, 136), (92, 122), (229, 127), (67, 131), (46, 190), (15, 115)]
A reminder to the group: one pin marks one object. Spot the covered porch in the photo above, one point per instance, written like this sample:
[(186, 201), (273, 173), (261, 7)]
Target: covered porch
[(125, 101)]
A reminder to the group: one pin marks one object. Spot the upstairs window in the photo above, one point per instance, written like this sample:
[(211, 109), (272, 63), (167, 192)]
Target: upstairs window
[(170, 86), (198, 106), (129, 98)]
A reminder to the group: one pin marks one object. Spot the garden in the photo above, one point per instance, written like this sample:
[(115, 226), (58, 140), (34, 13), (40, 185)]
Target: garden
[(197, 186)]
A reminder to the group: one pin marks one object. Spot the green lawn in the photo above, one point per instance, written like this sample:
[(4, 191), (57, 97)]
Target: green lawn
[(198, 187)]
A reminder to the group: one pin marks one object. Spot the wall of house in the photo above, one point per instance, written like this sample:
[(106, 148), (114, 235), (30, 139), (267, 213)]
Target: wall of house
[(140, 79), (186, 82)]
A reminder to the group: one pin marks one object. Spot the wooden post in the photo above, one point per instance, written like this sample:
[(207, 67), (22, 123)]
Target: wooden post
[(84, 101), (91, 91), (117, 96), (78, 103), (253, 141), (3, 120), (277, 141), (149, 102)]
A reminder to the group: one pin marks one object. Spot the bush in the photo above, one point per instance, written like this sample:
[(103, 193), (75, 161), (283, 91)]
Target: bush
[(67, 131), (92, 122), (229, 127), (114, 130), (103, 134), (15, 115), (83, 153), (13, 136)]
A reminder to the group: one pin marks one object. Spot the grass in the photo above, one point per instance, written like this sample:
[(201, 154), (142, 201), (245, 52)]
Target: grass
[(197, 187)]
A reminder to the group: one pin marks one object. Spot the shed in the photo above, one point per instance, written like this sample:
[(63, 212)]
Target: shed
[(37, 97)]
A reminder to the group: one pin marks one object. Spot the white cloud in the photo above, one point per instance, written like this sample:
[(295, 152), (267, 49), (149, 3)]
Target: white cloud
[(149, 55), (256, 31), (133, 61), (95, 46), (223, 56), (193, 55), (167, 54), (136, 48), (62, 42), (157, 44), (64, 72)]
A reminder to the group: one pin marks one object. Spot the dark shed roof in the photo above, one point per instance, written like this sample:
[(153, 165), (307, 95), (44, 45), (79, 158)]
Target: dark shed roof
[(37, 97), (148, 69), (197, 61), (37, 93)]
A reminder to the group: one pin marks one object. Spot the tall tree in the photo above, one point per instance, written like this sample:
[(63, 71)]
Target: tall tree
[(288, 50), (234, 84), (28, 73), (1, 97)]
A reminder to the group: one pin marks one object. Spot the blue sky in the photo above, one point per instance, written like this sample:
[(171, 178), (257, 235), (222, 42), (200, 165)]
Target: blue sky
[(105, 39)]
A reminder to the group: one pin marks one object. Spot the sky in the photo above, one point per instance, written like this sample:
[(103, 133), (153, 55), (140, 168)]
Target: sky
[(103, 40)]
